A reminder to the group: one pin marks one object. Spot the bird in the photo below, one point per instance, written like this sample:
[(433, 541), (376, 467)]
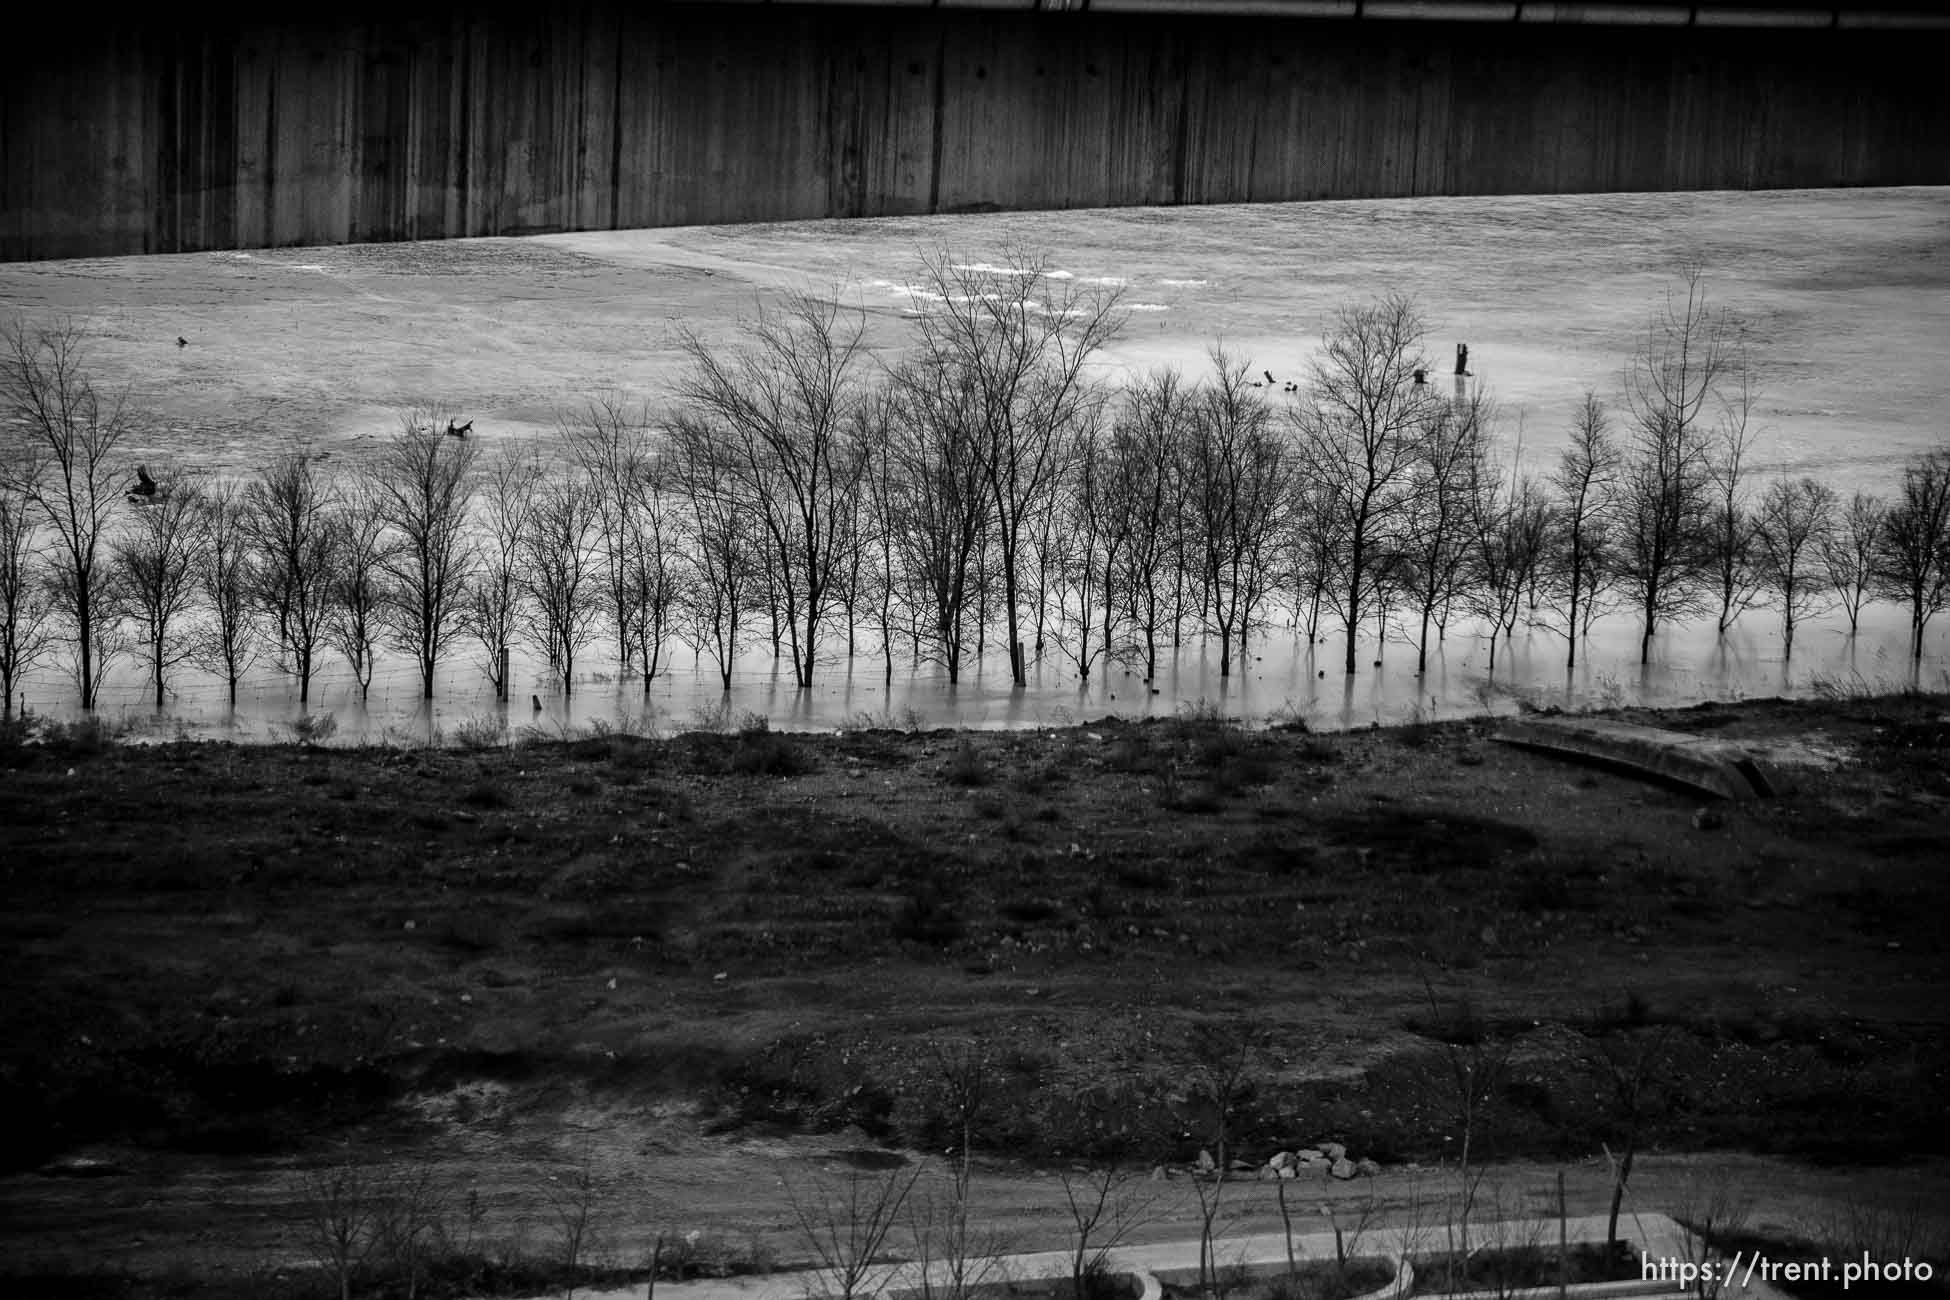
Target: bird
[(538, 702), (182, 342), (459, 430), (145, 487), (1269, 376)]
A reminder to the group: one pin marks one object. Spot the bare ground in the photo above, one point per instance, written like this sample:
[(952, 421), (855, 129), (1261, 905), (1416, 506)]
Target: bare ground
[(707, 967)]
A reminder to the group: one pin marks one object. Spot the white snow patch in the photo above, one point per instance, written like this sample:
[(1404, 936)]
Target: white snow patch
[(1146, 306), (984, 268), (1184, 284)]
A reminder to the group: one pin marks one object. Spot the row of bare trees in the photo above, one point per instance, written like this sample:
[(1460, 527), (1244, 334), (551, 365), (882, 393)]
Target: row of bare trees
[(991, 480)]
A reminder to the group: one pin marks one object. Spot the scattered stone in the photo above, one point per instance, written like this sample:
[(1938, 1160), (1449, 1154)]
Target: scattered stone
[(1281, 1159), (1309, 1156), (1366, 1168), (1342, 1168), (1289, 1171), (1159, 1174), (1708, 819), (82, 1166), (1205, 1163), (1333, 1150)]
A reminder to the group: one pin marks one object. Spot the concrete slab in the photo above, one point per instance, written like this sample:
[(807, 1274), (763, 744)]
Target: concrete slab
[(1657, 1237), (1700, 763)]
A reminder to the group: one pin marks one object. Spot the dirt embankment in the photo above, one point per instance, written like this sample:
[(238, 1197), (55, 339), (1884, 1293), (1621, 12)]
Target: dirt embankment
[(664, 955)]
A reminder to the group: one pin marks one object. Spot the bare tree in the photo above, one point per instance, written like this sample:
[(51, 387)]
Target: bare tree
[(341, 1215), (845, 1225), (1317, 547), (156, 558), (423, 484), (571, 1197), (654, 567), (561, 569), (1511, 533), (1585, 481), (788, 406), (1913, 561), (1711, 1209), (1631, 1055), (945, 1231), (1146, 459), (63, 463), (611, 441), (725, 552), (354, 619), (1671, 385), (227, 580), (1736, 575), (1237, 472), (288, 519), (1106, 1207), (884, 584), (496, 601), (408, 1231), (1434, 548), (26, 602), (1079, 552), (1223, 1072), (936, 505), (1016, 343), (1362, 429), (1848, 554), (1791, 532), (1476, 1069)]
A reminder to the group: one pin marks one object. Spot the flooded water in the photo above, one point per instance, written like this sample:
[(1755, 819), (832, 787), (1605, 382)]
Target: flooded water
[(1284, 681), (1846, 294)]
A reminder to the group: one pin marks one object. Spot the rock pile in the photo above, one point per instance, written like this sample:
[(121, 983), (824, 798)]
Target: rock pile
[(1329, 1158)]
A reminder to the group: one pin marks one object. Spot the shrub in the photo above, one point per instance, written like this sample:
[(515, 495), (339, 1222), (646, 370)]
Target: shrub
[(928, 918), (762, 752), (480, 734), (968, 767), (311, 728), (485, 794)]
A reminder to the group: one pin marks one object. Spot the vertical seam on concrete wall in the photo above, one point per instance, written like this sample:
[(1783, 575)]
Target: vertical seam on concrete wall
[(269, 176), (940, 108), (616, 131), (465, 130), (1181, 160)]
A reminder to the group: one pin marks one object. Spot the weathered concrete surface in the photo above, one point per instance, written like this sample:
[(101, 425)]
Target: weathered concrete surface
[(178, 132), (1700, 763), (1657, 1236)]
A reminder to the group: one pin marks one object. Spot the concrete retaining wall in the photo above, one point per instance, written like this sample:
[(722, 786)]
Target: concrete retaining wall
[(178, 134)]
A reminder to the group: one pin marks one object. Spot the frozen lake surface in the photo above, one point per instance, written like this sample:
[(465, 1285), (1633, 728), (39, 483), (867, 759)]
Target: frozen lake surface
[(1847, 294)]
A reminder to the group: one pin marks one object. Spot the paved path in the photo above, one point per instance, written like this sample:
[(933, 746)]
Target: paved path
[(1658, 1238)]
